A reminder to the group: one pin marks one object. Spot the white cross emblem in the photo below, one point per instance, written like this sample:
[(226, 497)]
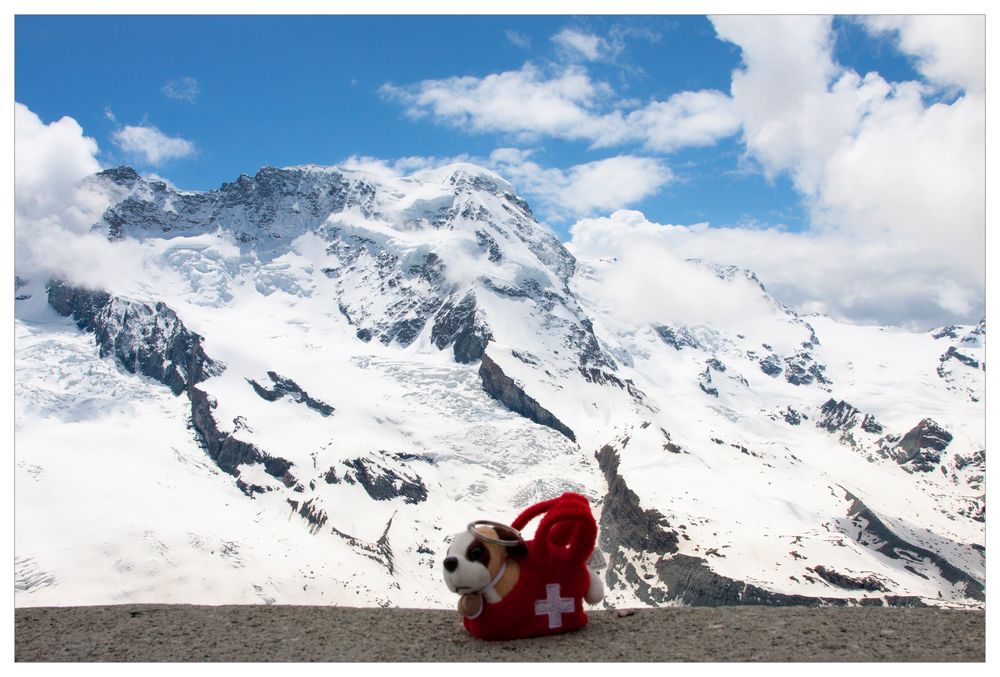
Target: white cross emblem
[(554, 606)]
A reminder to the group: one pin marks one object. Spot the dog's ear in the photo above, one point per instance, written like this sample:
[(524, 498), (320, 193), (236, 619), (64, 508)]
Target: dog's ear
[(519, 550)]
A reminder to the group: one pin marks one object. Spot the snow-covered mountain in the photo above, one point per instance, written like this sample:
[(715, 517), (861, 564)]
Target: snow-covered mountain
[(328, 372)]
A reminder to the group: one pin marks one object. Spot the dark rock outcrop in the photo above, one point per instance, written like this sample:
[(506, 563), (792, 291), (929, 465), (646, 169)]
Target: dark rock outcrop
[(870, 531), (143, 339), (152, 341), (624, 524), (840, 416), (771, 365), (837, 416), (223, 448), (953, 354), (802, 369), (380, 551), (833, 577), (287, 387), (505, 390), (792, 416), (920, 448), (678, 339), (379, 480), (689, 580), (457, 324), (310, 512)]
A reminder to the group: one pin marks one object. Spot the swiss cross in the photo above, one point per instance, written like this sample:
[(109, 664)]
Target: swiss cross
[(554, 606)]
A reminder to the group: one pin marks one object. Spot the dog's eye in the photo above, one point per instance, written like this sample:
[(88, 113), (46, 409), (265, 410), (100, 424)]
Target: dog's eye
[(476, 552)]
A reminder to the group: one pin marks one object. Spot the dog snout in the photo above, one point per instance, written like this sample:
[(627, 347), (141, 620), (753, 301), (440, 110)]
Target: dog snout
[(450, 563)]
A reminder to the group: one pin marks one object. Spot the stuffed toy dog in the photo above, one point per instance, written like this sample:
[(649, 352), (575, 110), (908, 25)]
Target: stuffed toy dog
[(512, 588)]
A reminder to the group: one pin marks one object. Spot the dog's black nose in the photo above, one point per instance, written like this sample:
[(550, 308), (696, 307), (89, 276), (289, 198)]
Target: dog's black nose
[(450, 563)]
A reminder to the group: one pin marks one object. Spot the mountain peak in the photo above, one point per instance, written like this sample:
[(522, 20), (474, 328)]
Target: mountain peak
[(463, 174), (123, 175)]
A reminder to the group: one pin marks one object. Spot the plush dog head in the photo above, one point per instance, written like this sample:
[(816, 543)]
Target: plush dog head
[(472, 562)]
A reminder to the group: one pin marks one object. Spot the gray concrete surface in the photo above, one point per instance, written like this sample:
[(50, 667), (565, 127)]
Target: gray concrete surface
[(160, 633)]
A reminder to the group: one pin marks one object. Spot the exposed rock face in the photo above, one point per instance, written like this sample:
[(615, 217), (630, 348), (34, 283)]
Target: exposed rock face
[(154, 342), (771, 365), (869, 583), (380, 551), (457, 324), (381, 481), (870, 531), (227, 451), (953, 354), (308, 511), (920, 449), (300, 196), (802, 369), (678, 339), (147, 340), (837, 416), (705, 383), (413, 291), (287, 387), (691, 581), (625, 525), (504, 389)]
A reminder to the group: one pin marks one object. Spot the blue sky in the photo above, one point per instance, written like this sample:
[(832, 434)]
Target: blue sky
[(295, 90), (838, 131)]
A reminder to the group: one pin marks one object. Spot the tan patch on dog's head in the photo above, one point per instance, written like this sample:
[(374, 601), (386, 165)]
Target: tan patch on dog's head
[(495, 554)]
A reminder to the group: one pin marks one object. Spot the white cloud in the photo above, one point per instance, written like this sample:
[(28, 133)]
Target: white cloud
[(150, 144), (578, 44), (524, 101), (686, 119), (183, 89), (857, 279), (555, 193), (403, 166), (950, 50), (49, 161), (874, 163), (55, 207), (611, 183), (518, 39), (567, 104)]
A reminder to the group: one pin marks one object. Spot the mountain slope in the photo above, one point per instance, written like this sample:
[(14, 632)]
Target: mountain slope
[(333, 371)]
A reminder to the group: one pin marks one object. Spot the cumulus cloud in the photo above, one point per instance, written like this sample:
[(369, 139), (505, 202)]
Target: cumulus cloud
[(606, 184), (686, 119), (556, 193), (526, 101), (182, 89), (566, 103), (49, 161), (877, 166), (150, 145), (950, 50), (863, 280), (56, 206)]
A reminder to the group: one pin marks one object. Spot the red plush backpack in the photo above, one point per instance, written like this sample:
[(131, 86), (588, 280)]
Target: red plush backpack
[(548, 596)]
